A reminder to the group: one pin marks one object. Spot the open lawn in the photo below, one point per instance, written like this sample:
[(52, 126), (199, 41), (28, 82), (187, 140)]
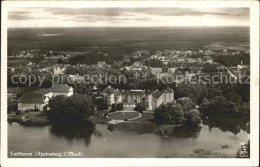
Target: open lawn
[(145, 117), (35, 118)]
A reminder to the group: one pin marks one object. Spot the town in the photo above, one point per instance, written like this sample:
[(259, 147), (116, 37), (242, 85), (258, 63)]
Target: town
[(161, 63), (130, 92)]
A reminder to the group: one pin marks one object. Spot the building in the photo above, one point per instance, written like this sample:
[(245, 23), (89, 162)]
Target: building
[(171, 70), (156, 70), (154, 100), (181, 59), (101, 63), (191, 60), (137, 64), (130, 98), (196, 69), (75, 78), (208, 59), (58, 69), (165, 62), (134, 96), (208, 52), (112, 95), (168, 95), (32, 101), (60, 89), (198, 60)]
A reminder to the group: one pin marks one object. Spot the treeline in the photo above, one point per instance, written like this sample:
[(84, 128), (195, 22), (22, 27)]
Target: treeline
[(232, 60), (218, 99)]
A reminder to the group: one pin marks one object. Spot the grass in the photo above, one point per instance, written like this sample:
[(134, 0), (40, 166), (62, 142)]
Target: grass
[(123, 115), (133, 128), (99, 117), (146, 117), (35, 118)]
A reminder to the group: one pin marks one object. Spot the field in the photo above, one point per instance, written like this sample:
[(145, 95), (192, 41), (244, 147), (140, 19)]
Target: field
[(120, 41), (17, 61)]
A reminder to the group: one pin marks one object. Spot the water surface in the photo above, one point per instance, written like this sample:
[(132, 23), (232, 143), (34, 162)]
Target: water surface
[(214, 133)]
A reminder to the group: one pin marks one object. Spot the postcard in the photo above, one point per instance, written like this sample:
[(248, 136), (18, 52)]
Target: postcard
[(130, 83)]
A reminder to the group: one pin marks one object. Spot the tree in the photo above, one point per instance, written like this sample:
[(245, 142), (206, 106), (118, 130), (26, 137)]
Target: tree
[(113, 108), (186, 103), (177, 114), (139, 107), (193, 117), (169, 114), (209, 68), (119, 107), (101, 105), (234, 97), (76, 109), (197, 92)]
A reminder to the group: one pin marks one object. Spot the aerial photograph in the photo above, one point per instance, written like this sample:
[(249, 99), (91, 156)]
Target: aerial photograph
[(135, 82)]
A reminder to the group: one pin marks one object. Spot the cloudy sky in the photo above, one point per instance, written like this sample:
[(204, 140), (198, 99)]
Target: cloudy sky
[(127, 17)]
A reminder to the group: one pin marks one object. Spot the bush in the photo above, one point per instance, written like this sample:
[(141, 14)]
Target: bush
[(119, 107), (113, 108), (140, 108), (18, 112)]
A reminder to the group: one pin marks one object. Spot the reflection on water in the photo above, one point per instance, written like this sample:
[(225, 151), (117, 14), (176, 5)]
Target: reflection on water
[(79, 132), (227, 131), (226, 124)]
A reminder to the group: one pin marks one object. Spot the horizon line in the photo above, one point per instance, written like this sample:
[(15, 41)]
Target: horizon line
[(136, 27)]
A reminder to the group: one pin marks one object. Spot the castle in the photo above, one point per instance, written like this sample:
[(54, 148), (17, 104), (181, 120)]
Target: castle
[(129, 98)]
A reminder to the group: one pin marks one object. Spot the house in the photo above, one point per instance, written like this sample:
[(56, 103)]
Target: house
[(191, 60), (165, 62), (181, 59), (136, 68), (137, 64), (112, 95), (157, 98), (154, 100), (75, 78), (198, 60), (58, 69), (59, 89), (196, 69), (208, 59), (168, 95), (242, 66), (171, 70), (156, 70), (31, 101), (208, 52), (101, 63)]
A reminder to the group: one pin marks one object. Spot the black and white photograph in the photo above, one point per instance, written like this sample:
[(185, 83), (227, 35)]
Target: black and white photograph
[(124, 80)]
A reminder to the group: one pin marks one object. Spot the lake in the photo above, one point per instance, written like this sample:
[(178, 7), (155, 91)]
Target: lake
[(215, 132)]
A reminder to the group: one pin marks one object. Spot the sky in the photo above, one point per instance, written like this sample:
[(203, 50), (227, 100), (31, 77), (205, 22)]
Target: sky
[(127, 17)]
